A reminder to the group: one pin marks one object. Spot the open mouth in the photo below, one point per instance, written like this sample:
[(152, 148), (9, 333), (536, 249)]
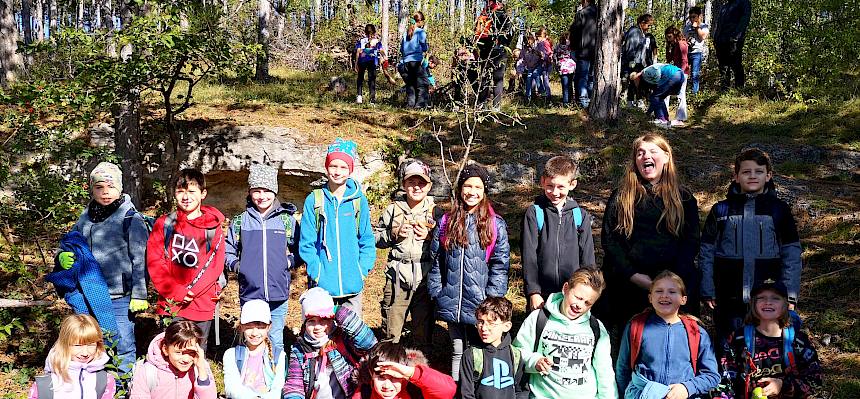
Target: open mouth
[(664, 303), (648, 167)]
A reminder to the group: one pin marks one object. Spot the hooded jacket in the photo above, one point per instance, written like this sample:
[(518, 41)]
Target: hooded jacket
[(756, 240), (337, 258), (172, 272), (634, 47), (664, 358), (409, 259), (262, 255), (168, 383), (551, 255), (493, 45), (500, 378), (83, 376), (733, 21), (233, 377), (121, 253), (583, 32), (461, 279), (578, 371)]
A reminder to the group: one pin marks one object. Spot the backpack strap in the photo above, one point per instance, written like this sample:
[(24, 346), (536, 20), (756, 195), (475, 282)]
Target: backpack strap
[(356, 206), (101, 383), (149, 371), (45, 387), (637, 327), (477, 361), (493, 234), (540, 324), (236, 226), (749, 339), (126, 221), (693, 338), (721, 214), (577, 217), (169, 225), (319, 213), (240, 351), (210, 235), (595, 329), (788, 348), (539, 216)]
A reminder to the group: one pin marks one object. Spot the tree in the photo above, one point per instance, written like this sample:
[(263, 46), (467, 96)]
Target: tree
[(10, 60), (386, 7), (264, 13), (607, 70)]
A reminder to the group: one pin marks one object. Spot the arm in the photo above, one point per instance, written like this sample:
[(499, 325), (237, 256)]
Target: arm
[(602, 364), (623, 372), (138, 235), (382, 232), (434, 276), (366, 241), (708, 376), (276, 390), (466, 385), (158, 265), (294, 387), (744, 22), (586, 240), (807, 380), (232, 249), (528, 245), (433, 384), (422, 40), (790, 252), (526, 341), (211, 274), (708, 250), (308, 239), (685, 64), (703, 32), (358, 337), (500, 262), (205, 389), (233, 378)]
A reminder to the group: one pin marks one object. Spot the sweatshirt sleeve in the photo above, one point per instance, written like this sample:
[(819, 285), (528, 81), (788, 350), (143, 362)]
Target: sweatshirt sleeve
[(526, 341), (433, 384), (602, 363), (466, 385), (232, 245), (359, 338), (615, 245), (500, 262), (366, 241), (158, 265), (308, 240), (138, 235), (233, 378), (529, 245), (790, 251), (213, 272), (708, 376), (276, 390), (382, 231), (294, 387), (206, 389), (139, 386), (586, 240), (707, 252), (623, 372)]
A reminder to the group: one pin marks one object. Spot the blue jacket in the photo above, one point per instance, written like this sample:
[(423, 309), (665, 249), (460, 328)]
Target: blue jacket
[(664, 357), (413, 50), (263, 254), (460, 278), (338, 259)]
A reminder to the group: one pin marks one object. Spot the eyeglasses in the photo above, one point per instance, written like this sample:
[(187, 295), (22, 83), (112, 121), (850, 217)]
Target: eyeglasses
[(482, 323)]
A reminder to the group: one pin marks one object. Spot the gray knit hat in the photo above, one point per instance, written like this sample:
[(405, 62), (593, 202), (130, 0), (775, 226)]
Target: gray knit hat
[(263, 176), (107, 172)]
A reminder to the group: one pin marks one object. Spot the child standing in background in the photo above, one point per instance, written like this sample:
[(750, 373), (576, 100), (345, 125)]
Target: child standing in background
[(566, 66), (368, 52)]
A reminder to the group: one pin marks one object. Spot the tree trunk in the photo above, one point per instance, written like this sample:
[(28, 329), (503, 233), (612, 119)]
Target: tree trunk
[(707, 17), (96, 17), (27, 20), (386, 8), (126, 114), (452, 9), (649, 7), (52, 17), (107, 15), (11, 62), (264, 13), (315, 16), (79, 20), (39, 21), (607, 66), (462, 7)]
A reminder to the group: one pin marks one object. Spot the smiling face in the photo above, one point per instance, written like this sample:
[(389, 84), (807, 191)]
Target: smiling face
[(651, 160), (319, 327), (769, 306), (180, 357), (386, 386), (262, 199), (577, 300), (104, 193), (752, 177), (255, 333), (557, 188), (416, 189), (666, 297), (190, 198), (337, 172), (491, 329), (84, 353), (472, 192)]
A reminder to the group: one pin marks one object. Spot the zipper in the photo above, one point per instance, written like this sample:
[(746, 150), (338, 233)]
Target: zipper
[(460, 300), (81, 382), (264, 219), (669, 345), (760, 238), (337, 239), (558, 249)]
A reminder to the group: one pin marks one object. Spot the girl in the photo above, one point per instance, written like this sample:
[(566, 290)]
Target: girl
[(393, 372), (413, 45), (323, 359), (651, 223), (368, 52), (75, 365), (471, 259), (175, 366), (676, 54), (544, 45), (531, 60), (256, 369), (664, 350), (768, 356), (566, 66)]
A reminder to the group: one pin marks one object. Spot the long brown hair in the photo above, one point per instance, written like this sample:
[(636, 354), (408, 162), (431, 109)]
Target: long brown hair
[(416, 18), (75, 329), (455, 231), (632, 190)]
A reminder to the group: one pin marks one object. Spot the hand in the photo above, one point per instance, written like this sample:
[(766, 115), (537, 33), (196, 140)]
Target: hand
[(773, 387), (543, 365), (677, 391), (536, 301), (641, 281), (66, 259), (405, 230), (711, 303), (420, 231), (138, 305), (199, 359), (188, 297), (395, 370), (792, 306)]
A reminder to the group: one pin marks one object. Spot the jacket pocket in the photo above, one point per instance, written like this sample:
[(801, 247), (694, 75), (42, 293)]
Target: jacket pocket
[(768, 241), (729, 244)]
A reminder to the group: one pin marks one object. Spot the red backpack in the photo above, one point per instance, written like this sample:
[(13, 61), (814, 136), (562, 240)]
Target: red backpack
[(637, 327)]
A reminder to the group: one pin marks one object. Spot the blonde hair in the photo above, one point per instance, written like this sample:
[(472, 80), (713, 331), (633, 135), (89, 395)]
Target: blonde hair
[(75, 329), (632, 190), (266, 341), (666, 274), (588, 276)]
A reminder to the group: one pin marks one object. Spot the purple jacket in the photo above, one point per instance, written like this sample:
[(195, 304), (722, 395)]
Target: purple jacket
[(83, 376)]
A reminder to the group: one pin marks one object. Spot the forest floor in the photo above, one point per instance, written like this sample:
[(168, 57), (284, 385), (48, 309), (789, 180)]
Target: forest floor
[(816, 148)]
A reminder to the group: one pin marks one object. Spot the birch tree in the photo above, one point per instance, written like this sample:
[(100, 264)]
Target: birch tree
[(607, 83), (386, 7), (264, 13), (10, 60)]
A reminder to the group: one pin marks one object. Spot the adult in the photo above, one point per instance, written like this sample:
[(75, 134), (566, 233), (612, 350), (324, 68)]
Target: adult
[(662, 81), (696, 32), (583, 39), (493, 32), (413, 45), (729, 38), (676, 54), (651, 224), (634, 52)]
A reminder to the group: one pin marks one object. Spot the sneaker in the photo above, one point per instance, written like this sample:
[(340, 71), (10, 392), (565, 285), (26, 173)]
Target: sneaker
[(358, 99), (662, 123), (677, 123)]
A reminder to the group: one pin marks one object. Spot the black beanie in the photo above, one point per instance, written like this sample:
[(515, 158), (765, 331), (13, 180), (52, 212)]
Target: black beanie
[(474, 170)]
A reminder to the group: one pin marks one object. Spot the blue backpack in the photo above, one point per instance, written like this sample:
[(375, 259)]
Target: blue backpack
[(539, 217), (241, 350), (787, 344)]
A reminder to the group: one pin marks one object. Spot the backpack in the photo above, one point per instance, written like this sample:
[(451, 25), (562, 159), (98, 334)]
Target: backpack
[(242, 349), (170, 224), (539, 217), (543, 317), (149, 221), (489, 251), (319, 210), (478, 357), (45, 385), (637, 327), (288, 220), (787, 345)]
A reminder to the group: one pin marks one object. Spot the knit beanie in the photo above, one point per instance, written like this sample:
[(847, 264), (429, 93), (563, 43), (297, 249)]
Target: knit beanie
[(316, 302), (107, 172), (474, 170), (263, 176), (345, 150)]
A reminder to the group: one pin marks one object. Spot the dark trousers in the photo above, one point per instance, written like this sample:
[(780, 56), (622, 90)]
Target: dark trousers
[(205, 326), (633, 93), (730, 59), (669, 87), (583, 82), (399, 301), (370, 68), (493, 77), (416, 84)]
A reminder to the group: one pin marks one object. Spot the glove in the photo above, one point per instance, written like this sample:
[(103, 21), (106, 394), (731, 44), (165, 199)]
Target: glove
[(138, 305), (66, 259)]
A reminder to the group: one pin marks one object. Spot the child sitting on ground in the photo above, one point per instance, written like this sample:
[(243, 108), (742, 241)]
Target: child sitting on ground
[(391, 371), (257, 368), (175, 366), (75, 365), (663, 351)]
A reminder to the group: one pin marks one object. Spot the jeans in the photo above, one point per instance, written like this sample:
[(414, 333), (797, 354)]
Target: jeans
[(695, 70), (670, 86), (370, 67), (461, 336), (583, 80), (125, 342), (279, 313), (730, 57), (566, 88), (681, 114), (532, 78), (544, 76)]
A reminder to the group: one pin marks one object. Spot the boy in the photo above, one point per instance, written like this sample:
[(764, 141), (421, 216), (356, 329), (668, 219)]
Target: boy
[(565, 349), (556, 236), (748, 238), (493, 370), (405, 227), (116, 233), (185, 255), (337, 240), (260, 247)]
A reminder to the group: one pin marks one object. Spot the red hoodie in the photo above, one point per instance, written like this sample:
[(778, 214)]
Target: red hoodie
[(172, 272), (431, 383)]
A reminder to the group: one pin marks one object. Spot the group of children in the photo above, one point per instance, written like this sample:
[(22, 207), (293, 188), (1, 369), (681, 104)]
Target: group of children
[(452, 266)]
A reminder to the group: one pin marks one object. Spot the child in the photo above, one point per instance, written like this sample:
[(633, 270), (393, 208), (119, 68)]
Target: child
[(256, 369), (260, 245), (532, 63), (676, 54), (662, 80), (556, 236), (116, 233), (429, 64), (394, 372), (768, 356), (75, 365), (566, 66), (493, 369), (405, 227), (565, 348), (175, 366), (337, 241), (665, 352), (544, 45), (471, 257), (324, 356), (515, 75), (368, 52), (185, 255), (730, 260)]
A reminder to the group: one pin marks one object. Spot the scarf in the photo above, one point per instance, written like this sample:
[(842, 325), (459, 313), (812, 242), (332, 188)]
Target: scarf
[(98, 212)]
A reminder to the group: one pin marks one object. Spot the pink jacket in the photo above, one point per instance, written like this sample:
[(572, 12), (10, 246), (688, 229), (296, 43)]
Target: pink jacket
[(168, 384), (83, 376)]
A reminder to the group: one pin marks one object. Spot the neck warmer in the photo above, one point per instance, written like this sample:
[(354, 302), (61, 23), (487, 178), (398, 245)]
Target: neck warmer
[(98, 212), (315, 343)]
